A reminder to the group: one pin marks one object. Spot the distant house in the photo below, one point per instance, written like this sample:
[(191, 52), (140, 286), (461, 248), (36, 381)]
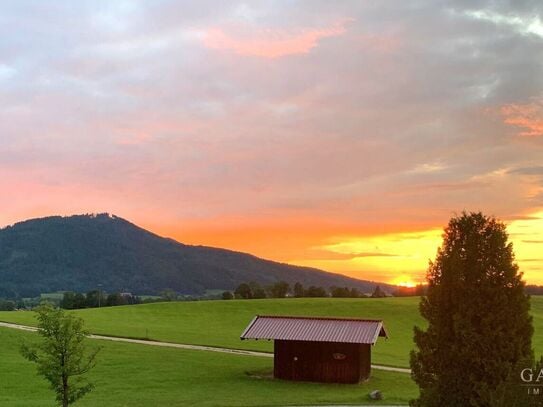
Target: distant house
[(334, 350)]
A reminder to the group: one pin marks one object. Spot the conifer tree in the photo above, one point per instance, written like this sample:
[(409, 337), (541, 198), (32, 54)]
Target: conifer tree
[(479, 327)]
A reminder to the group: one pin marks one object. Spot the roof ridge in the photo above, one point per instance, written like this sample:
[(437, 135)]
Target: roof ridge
[(321, 318)]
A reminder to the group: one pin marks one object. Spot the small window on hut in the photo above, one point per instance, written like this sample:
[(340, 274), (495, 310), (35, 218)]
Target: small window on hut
[(339, 356)]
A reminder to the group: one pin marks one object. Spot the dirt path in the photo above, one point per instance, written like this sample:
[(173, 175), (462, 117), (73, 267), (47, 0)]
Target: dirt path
[(186, 346)]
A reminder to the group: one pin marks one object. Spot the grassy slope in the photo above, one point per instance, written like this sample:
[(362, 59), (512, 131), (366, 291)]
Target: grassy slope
[(219, 323), (138, 375)]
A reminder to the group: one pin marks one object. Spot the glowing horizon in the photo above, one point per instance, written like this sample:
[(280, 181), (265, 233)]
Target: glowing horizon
[(396, 258), (406, 255)]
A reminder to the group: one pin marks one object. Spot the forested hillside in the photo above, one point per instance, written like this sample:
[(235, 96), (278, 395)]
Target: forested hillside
[(81, 252)]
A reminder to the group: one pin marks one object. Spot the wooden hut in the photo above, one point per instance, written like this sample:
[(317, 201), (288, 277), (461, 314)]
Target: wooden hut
[(333, 350)]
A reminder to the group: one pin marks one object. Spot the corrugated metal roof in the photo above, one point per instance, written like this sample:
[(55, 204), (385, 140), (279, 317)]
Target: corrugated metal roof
[(347, 330)]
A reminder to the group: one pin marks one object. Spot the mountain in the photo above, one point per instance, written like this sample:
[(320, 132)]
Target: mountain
[(81, 252)]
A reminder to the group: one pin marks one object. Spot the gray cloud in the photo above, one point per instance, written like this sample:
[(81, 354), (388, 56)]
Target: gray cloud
[(535, 170)]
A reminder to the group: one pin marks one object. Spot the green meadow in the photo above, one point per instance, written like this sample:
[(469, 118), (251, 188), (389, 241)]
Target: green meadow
[(139, 375), (220, 323)]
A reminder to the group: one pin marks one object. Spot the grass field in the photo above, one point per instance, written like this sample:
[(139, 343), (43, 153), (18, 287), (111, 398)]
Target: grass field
[(139, 375), (220, 323)]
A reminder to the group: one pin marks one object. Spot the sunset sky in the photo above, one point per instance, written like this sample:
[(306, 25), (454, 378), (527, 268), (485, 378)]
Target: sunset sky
[(339, 135)]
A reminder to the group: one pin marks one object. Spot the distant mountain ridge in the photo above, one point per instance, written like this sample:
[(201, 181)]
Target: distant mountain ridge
[(83, 252)]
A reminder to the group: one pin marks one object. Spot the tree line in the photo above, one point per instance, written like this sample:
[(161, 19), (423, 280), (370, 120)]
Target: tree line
[(534, 289), (95, 299), (251, 290), (282, 289)]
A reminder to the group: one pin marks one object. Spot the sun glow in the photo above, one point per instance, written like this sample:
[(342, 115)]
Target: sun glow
[(527, 237), (395, 257), (402, 258), (404, 282)]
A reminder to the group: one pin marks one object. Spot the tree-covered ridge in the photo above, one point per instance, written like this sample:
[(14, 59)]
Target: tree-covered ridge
[(83, 252)]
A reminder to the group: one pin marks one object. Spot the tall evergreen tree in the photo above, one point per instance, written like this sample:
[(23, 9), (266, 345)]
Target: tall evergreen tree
[(479, 326)]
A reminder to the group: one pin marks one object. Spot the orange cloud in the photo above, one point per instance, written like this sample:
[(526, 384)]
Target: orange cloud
[(270, 43), (528, 117)]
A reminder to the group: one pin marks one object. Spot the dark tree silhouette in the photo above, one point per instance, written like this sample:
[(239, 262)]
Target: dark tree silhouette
[(80, 301), (243, 291), (314, 291), (534, 289), (340, 292), (6, 305), (479, 326), (279, 290), (95, 298), (298, 290), (68, 300), (378, 293), (257, 290), (114, 299), (354, 293), (227, 295)]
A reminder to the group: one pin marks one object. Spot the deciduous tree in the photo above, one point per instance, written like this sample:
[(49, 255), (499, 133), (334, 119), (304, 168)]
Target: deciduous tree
[(314, 291), (243, 291), (227, 295), (68, 300), (279, 289), (62, 357), (340, 292)]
